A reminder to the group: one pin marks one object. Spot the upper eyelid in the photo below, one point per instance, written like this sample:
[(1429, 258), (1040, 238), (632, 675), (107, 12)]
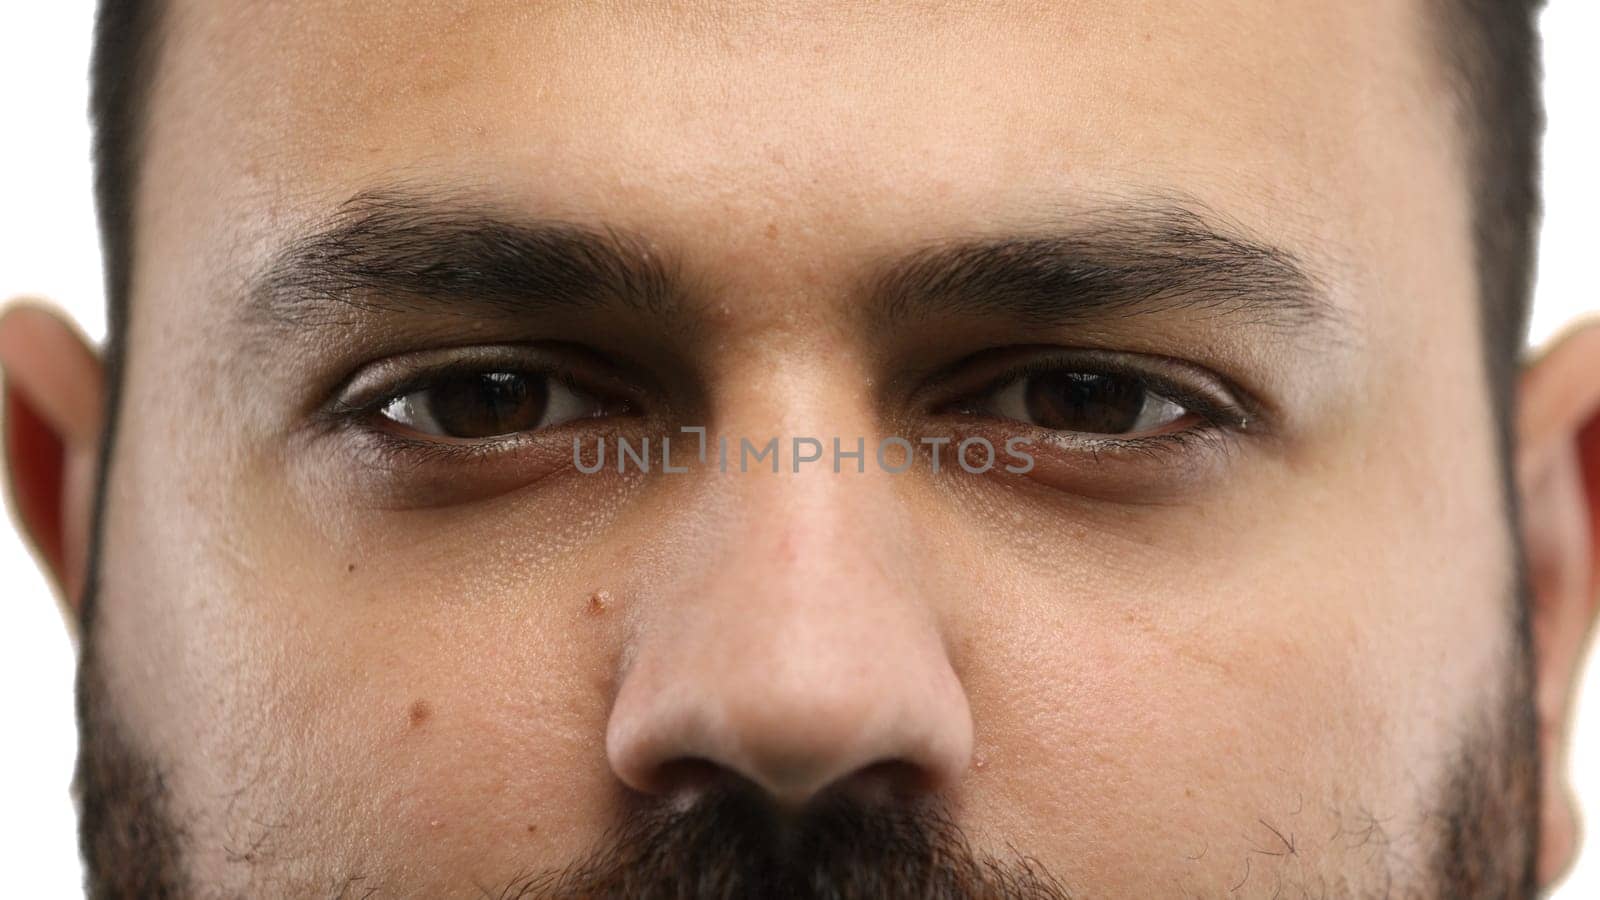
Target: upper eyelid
[(383, 380), (1234, 407)]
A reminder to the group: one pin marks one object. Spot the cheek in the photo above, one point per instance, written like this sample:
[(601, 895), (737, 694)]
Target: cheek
[(421, 743), (459, 761), (1134, 751), (458, 728), (408, 712), (1215, 719)]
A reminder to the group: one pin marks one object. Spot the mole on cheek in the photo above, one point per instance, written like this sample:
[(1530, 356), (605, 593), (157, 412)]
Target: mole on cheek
[(419, 713)]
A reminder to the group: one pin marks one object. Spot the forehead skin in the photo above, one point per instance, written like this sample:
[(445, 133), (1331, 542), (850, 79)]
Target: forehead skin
[(1297, 642)]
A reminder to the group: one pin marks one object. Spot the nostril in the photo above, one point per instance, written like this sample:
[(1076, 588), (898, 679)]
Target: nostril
[(686, 776), (885, 781), (687, 779)]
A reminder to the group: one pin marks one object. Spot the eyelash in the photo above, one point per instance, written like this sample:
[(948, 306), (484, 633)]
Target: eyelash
[(392, 447), (1192, 400), (395, 447), (1217, 417)]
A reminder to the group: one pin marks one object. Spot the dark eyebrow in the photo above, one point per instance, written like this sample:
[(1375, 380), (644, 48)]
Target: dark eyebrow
[(1134, 260), (390, 250), (397, 250)]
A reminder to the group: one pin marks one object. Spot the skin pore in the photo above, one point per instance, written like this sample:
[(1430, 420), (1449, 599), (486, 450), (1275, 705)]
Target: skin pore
[(1276, 647)]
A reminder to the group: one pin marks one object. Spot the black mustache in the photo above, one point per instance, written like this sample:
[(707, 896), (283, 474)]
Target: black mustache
[(734, 843)]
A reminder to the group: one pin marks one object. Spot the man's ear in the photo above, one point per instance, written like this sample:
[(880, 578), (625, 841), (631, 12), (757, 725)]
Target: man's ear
[(53, 390), (1558, 474)]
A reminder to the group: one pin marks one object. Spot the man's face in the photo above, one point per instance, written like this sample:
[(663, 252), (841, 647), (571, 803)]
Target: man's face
[(1243, 627)]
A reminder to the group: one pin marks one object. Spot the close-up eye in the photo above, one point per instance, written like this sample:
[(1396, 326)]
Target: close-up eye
[(453, 424), (1098, 395), (479, 405), (481, 395), (1085, 402)]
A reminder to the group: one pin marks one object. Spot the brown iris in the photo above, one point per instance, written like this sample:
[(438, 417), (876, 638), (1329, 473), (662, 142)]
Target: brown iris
[(485, 404), (1085, 402)]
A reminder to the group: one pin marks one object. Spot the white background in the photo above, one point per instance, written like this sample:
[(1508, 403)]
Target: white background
[(48, 248)]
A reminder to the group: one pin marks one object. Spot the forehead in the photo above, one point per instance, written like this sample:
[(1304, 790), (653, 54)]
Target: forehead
[(706, 101)]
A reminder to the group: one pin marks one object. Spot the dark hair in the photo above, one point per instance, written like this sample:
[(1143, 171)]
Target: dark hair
[(122, 68), (1491, 49)]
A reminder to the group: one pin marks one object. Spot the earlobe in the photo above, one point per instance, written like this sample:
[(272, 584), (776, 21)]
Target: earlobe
[(1558, 473), (53, 400)]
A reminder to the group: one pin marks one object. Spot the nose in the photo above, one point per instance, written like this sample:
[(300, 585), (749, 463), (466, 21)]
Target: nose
[(804, 658)]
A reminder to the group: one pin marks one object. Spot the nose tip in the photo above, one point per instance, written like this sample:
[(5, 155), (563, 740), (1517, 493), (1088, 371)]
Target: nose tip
[(807, 656), (869, 737)]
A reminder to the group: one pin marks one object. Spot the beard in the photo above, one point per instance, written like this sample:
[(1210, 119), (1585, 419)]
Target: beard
[(734, 843)]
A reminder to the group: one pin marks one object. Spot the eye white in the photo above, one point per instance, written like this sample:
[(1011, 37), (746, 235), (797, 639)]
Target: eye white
[(563, 404), (1155, 411)]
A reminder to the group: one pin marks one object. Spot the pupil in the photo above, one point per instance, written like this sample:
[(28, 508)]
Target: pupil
[(488, 404), (1084, 402)]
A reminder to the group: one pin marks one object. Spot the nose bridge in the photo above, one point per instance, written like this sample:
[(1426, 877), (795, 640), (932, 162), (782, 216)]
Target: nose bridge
[(800, 654), (815, 528), (811, 543)]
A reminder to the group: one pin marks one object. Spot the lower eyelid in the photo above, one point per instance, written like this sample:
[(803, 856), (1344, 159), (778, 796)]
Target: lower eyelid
[(403, 439), (1088, 453), (1177, 440), (1155, 469), (389, 470)]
